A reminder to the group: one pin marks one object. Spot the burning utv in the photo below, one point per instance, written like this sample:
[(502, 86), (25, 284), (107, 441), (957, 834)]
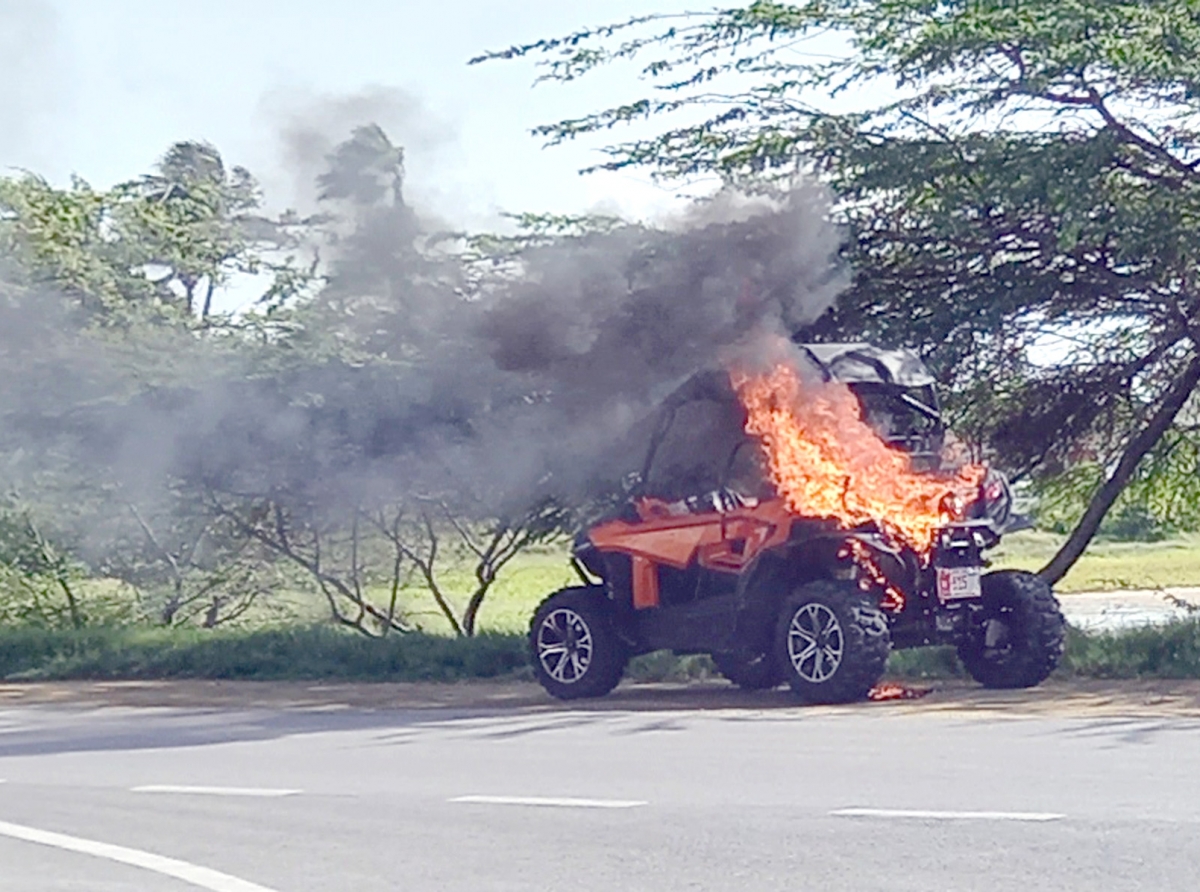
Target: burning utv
[(777, 593)]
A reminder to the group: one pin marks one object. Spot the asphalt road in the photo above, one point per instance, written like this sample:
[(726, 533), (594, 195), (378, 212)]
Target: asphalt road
[(353, 800)]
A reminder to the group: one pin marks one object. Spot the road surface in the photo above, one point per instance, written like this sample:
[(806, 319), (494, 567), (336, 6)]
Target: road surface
[(1118, 610), (643, 795)]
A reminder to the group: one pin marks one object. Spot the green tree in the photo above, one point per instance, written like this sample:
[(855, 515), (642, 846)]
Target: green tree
[(33, 570), (1030, 176), (155, 248), (367, 486), (190, 224), (62, 238)]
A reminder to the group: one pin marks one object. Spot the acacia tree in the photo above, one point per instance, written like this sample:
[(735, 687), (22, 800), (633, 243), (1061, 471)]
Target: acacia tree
[(156, 248), (365, 480), (368, 559), (1032, 178)]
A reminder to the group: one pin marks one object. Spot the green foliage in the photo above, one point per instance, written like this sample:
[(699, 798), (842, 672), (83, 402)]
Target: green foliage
[(1133, 523), (1163, 497), (37, 580), (31, 599), (157, 433), (1167, 651), (1171, 650), (925, 662), (663, 665), (188, 225), (30, 653), (62, 236), (152, 249), (288, 653)]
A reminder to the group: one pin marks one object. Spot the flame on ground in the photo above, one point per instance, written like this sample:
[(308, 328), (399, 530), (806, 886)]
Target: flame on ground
[(888, 690), (827, 462)]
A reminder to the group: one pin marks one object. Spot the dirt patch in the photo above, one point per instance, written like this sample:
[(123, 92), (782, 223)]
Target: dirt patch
[(1067, 698)]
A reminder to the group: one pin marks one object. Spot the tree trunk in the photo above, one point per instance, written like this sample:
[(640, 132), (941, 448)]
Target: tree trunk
[(208, 299), (1174, 400), (472, 612), (72, 603)]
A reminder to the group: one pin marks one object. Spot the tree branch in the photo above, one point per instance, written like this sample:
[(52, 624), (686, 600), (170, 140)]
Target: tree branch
[(1103, 499)]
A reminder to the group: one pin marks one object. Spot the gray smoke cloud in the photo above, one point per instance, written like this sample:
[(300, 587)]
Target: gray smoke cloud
[(543, 380), (308, 126), (610, 326)]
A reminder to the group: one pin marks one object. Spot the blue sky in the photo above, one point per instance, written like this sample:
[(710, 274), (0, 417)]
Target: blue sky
[(100, 88)]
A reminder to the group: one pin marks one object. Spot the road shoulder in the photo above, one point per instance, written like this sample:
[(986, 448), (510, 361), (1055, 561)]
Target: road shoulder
[(1078, 697)]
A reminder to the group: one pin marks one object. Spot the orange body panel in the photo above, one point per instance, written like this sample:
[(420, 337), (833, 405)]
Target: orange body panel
[(726, 541), (645, 583)]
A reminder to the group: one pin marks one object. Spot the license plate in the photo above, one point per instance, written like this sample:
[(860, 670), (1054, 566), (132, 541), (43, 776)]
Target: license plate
[(956, 583)]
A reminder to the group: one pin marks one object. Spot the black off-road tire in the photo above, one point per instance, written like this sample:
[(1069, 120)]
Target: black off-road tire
[(1028, 643), (758, 673), (574, 649), (832, 642)]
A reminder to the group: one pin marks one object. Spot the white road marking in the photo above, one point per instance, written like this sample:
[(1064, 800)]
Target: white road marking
[(947, 815), (204, 877), (551, 802), (215, 791)]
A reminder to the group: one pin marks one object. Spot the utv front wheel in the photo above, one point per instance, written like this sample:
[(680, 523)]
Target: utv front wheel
[(574, 648), (1020, 635), (758, 673), (832, 642)]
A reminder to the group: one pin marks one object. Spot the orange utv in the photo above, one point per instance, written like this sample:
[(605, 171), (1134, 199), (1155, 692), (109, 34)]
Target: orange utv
[(776, 597)]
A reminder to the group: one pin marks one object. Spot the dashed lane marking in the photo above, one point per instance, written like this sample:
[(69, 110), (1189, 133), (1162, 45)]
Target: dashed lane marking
[(215, 791), (947, 815), (551, 802), (203, 877)]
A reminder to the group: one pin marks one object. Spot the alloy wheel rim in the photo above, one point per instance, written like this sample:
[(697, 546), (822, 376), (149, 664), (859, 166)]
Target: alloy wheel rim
[(815, 642), (564, 645)]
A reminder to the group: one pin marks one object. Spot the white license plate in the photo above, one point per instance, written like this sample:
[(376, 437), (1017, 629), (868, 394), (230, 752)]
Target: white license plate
[(956, 583)]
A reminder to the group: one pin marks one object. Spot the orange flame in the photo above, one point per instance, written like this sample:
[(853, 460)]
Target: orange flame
[(826, 462), (890, 690), (893, 598)]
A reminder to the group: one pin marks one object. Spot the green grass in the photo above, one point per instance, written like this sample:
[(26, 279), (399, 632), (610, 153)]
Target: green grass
[(309, 652), (1167, 651), (1108, 566), (293, 643), (514, 596), (925, 662), (1170, 651)]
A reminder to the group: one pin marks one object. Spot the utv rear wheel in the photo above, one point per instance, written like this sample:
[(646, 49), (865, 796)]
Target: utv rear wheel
[(574, 648), (832, 642), (757, 673), (1021, 633)]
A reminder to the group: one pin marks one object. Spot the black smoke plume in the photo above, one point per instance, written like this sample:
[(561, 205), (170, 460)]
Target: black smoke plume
[(487, 382)]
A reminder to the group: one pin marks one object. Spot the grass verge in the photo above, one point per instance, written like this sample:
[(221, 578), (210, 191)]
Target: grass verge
[(1171, 650), (306, 652), (314, 652)]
